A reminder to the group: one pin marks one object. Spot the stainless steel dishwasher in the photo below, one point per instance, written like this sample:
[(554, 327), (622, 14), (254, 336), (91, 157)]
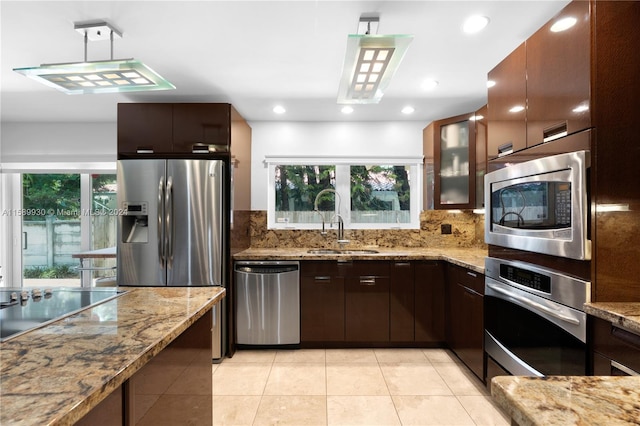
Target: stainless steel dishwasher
[(267, 302)]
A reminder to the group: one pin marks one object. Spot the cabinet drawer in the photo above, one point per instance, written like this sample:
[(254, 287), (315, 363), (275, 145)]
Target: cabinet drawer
[(466, 277), (620, 345), (325, 267)]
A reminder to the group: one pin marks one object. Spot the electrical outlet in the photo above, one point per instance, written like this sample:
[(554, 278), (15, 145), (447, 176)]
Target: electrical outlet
[(445, 228)]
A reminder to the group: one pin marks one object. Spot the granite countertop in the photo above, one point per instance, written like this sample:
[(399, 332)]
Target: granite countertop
[(570, 400), (622, 314), (470, 258), (58, 373)]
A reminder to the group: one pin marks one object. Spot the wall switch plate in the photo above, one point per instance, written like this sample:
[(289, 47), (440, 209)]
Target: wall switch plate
[(445, 228)]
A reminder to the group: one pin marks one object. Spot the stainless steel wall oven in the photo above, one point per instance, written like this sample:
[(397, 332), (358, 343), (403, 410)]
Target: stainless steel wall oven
[(534, 320)]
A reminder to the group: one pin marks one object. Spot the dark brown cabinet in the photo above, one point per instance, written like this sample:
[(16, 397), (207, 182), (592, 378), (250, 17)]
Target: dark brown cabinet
[(506, 106), (367, 302), (615, 350), (401, 302), (558, 76), (322, 302), (181, 128), (429, 302), (465, 326), (455, 162)]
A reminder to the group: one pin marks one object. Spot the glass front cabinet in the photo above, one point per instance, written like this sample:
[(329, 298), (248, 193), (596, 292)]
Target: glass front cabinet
[(452, 142)]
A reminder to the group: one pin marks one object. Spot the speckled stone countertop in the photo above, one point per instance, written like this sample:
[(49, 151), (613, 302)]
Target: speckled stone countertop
[(56, 374), (466, 257), (622, 314), (558, 400)]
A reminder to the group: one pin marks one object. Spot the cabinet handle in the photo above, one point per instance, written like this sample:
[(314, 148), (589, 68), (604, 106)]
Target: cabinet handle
[(471, 292), (554, 132), (473, 274), (505, 149), (402, 264), (144, 151), (322, 278), (626, 370), (367, 280), (626, 336)]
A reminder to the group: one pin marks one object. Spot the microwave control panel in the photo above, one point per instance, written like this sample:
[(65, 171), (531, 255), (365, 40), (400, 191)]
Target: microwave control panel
[(563, 204)]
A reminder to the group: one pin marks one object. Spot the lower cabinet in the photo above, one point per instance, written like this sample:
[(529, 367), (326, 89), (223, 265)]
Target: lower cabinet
[(322, 301), (465, 327), (615, 350), (402, 302), (367, 302), (429, 302)]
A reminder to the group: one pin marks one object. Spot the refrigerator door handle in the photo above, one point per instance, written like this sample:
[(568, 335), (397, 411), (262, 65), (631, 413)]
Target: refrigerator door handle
[(169, 221), (161, 195)]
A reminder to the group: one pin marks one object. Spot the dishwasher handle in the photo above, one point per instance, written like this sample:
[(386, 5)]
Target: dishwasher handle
[(266, 269)]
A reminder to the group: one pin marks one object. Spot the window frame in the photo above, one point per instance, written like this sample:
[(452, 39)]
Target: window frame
[(343, 187)]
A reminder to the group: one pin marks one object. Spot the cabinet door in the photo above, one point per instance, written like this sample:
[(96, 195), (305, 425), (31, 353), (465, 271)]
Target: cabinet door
[(506, 106), (201, 124), (401, 303), (367, 308), (145, 127), (429, 302), (321, 308), (481, 154), (455, 154), (558, 76)]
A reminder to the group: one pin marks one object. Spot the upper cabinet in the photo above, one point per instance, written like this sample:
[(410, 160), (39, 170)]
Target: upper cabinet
[(506, 107), (454, 163), (558, 76), (542, 89), (182, 128)]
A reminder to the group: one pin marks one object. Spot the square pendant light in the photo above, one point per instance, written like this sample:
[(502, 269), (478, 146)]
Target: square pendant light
[(109, 76), (369, 65)]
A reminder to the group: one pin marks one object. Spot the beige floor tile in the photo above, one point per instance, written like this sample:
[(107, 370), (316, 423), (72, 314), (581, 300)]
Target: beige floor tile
[(401, 356), (257, 355), (413, 379), (235, 410), (460, 380), (240, 378), (440, 355), (355, 379), (174, 410), (431, 410), (361, 410), (292, 410), (301, 355), (297, 379), (483, 411), (351, 355)]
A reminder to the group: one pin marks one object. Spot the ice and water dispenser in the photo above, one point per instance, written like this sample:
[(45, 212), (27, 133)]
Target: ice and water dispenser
[(135, 222)]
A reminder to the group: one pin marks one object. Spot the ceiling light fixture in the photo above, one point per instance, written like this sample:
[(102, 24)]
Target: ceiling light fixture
[(429, 84), (346, 109), (370, 62), (279, 109), (110, 76), (408, 110), (475, 24)]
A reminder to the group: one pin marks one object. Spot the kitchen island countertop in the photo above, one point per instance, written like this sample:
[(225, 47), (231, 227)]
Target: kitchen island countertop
[(58, 373), (471, 258)]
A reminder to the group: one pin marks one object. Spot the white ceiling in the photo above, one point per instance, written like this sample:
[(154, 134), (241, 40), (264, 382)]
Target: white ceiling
[(256, 54)]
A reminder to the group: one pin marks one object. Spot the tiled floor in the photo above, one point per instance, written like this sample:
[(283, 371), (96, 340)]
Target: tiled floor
[(350, 387)]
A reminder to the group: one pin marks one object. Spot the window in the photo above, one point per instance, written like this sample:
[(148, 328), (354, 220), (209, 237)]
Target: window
[(365, 193)]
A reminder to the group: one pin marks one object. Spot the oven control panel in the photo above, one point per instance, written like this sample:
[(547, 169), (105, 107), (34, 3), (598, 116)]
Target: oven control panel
[(526, 278)]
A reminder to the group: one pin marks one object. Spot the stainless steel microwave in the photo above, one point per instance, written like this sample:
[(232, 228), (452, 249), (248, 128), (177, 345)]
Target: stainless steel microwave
[(541, 206)]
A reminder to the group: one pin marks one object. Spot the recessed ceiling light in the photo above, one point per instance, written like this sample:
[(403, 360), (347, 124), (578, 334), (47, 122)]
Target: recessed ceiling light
[(346, 110), (429, 84), (490, 83), (563, 24), (279, 109), (517, 108), (474, 24), (408, 110)]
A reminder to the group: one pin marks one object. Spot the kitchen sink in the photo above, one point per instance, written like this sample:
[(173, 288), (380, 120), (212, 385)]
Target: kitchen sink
[(335, 251)]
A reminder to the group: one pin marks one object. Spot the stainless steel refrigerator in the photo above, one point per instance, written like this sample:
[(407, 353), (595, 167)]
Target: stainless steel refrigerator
[(171, 223)]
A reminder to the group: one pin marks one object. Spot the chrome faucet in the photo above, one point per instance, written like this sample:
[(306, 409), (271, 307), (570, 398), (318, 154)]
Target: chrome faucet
[(341, 239), (337, 216)]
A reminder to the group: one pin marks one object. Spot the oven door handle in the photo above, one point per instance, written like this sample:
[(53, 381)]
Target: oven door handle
[(532, 303)]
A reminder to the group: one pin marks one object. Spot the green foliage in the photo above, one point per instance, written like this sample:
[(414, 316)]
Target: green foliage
[(298, 186), (50, 192), (58, 271)]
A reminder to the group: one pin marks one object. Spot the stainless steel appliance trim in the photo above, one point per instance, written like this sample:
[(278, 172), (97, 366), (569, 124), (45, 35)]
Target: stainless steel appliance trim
[(624, 368), (577, 327), (507, 359), (578, 247), (565, 289)]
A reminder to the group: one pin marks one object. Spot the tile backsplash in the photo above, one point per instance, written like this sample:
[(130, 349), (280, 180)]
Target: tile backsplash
[(467, 231)]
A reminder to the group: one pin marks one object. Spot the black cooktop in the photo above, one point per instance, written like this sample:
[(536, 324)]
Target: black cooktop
[(24, 309)]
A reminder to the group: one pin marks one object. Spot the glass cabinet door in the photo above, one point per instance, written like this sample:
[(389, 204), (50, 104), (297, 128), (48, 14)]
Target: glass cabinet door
[(454, 163)]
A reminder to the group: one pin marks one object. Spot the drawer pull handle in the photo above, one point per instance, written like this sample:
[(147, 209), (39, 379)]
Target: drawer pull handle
[(626, 370), (322, 278), (367, 281), (402, 264), (627, 337), (472, 274)]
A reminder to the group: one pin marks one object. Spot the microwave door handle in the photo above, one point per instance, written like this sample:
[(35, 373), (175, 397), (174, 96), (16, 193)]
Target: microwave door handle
[(532, 303)]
